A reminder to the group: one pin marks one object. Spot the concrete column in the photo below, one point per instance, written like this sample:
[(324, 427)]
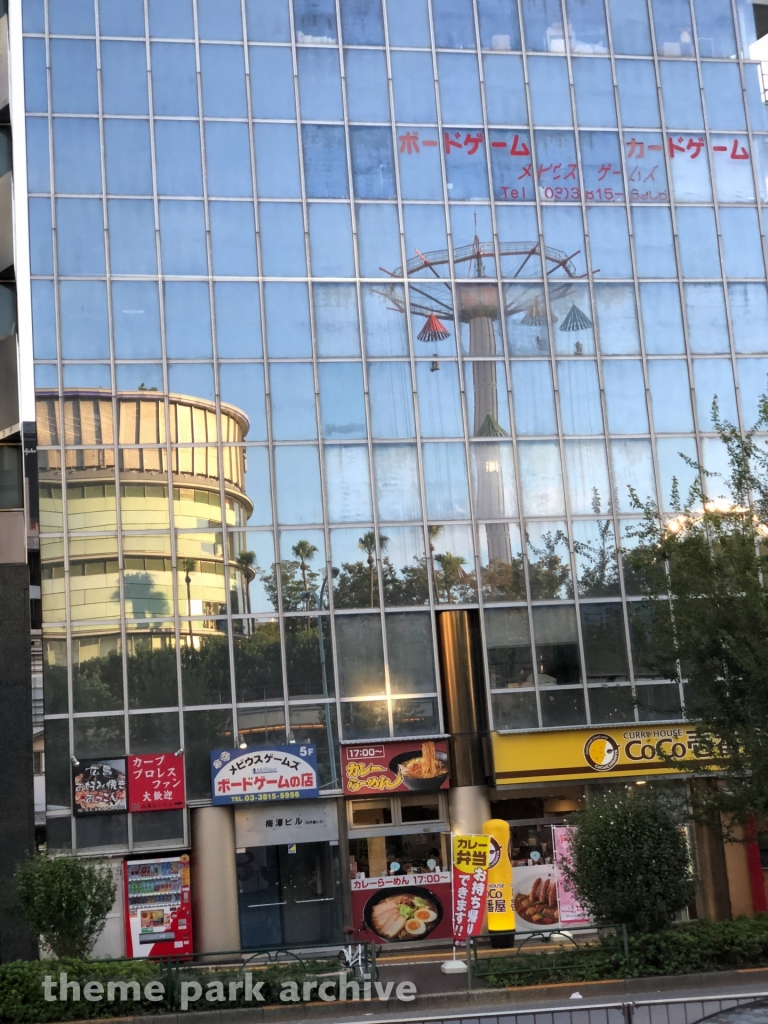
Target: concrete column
[(713, 899), (214, 880), (470, 808)]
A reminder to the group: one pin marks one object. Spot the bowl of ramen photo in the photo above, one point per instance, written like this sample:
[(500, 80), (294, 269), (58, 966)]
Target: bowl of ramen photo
[(422, 770), (538, 906), (402, 914)]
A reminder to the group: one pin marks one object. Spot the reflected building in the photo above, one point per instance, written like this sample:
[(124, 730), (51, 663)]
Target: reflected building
[(355, 326)]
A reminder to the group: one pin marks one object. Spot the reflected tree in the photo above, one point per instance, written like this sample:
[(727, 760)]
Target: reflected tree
[(504, 580), (599, 568), (245, 561), (550, 575), (98, 683), (305, 551), (258, 667), (367, 543), (152, 679), (453, 583)]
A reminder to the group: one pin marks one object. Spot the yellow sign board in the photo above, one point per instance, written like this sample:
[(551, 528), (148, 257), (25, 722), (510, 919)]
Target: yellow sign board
[(590, 753), (501, 910)]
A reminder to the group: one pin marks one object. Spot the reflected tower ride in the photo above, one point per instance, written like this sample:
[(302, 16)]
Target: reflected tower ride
[(478, 305)]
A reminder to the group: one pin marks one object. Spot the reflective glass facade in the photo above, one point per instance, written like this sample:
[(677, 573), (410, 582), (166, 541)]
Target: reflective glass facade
[(349, 311)]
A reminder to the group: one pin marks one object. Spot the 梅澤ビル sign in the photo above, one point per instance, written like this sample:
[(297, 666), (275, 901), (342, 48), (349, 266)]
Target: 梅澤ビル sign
[(587, 753), (400, 767), (256, 774)]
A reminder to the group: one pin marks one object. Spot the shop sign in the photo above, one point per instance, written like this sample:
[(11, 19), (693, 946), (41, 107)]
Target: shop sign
[(99, 786), (399, 767), (544, 898), (158, 907), (571, 911), (315, 821), (257, 774), (588, 753), (501, 914), (471, 857), (402, 908), (155, 782)]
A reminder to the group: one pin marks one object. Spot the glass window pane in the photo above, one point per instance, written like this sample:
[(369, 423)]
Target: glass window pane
[(80, 237), (597, 563), (557, 645), (171, 20), (550, 93), (179, 167), (391, 400), (541, 478), (459, 88), (411, 654), (707, 325), (378, 239), (697, 233), (330, 240), (182, 234), (453, 562), (625, 396), (671, 395), (228, 159), (287, 309), (348, 483), (238, 320), (493, 480), (722, 94), (364, 719), (749, 316), (203, 731), (132, 238), (662, 318), (587, 474), (609, 704), (283, 243), (609, 238), (674, 32), (319, 84), (367, 86), (384, 325), (580, 397), (360, 655), (605, 645), (505, 89), (315, 21), (174, 79), (513, 711), (136, 319), (277, 161), (342, 404), (676, 476), (681, 94), (233, 239), (124, 78), (654, 247), (325, 161), (742, 246), (336, 324), (73, 76), (129, 171), (499, 28), (397, 482), (593, 83), (445, 480), (187, 320), (219, 20), (534, 403), (84, 321), (414, 88), (587, 28), (297, 472), (77, 158), (508, 648), (617, 319), (223, 77), (35, 76), (714, 29), (632, 470), (637, 94), (408, 23), (152, 678), (292, 394), (713, 379)]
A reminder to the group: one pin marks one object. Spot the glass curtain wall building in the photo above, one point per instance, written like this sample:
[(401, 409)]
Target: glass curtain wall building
[(347, 313)]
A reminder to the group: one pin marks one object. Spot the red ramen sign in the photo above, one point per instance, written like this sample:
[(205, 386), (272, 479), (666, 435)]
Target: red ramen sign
[(403, 766)]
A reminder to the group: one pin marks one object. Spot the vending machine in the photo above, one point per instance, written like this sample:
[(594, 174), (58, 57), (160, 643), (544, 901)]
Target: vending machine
[(158, 907)]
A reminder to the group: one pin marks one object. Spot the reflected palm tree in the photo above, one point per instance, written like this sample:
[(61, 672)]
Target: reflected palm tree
[(367, 543), (245, 562), (305, 551), (453, 572)]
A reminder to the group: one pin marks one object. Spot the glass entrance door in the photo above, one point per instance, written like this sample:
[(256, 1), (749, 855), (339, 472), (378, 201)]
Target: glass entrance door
[(289, 895)]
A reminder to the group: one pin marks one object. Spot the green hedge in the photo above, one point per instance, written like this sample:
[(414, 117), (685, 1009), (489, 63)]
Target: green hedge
[(682, 949), (22, 999)]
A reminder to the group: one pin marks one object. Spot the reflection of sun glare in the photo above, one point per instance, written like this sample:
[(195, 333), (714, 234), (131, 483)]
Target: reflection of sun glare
[(715, 506)]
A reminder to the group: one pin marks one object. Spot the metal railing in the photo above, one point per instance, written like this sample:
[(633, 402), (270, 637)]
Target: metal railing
[(646, 1011)]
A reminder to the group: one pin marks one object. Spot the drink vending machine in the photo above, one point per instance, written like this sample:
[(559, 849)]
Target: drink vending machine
[(158, 907)]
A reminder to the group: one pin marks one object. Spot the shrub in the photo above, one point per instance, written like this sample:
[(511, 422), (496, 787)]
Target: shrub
[(630, 860), (65, 900)]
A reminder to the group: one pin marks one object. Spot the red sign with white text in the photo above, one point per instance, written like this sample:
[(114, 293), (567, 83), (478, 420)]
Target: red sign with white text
[(155, 782), (471, 856)]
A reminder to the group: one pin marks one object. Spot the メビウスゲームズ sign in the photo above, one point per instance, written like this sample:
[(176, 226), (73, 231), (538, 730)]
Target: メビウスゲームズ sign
[(254, 774)]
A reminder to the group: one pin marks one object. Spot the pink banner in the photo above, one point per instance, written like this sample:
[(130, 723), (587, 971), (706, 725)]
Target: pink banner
[(571, 911)]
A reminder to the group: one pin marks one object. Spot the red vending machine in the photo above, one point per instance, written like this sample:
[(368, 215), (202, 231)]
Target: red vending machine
[(158, 907)]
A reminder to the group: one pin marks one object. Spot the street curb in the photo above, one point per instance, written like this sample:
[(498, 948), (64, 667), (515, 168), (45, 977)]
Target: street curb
[(457, 1001)]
